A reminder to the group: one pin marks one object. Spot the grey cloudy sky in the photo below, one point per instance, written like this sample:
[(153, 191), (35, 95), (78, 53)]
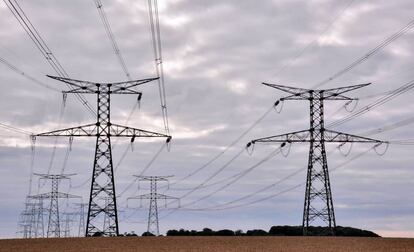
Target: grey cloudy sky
[(216, 54)]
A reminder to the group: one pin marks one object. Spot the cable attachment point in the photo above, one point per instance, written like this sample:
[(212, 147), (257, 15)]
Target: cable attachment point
[(282, 147), (139, 100), (350, 110), (132, 143), (387, 144), (345, 154), (277, 103), (250, 148), (70, 143), (64, 98), (168, 143), (32, 142)]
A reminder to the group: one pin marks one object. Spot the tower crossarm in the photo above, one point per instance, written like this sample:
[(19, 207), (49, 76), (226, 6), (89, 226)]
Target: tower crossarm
[(80, 131), (58, 195), (153, 196), (91, 130), (296, 93), (87, 87), (304, 136), (332, 136), (293, 137), (124, 131), (149, 178), (306, 94)]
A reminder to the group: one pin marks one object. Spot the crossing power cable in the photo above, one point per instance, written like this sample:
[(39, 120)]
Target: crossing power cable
[(32, 79), (41, 45), (226, 206), (369, 54), (214, 158), (394, 94), (235, 179), (111, 37), (158, 57), (314, 42)]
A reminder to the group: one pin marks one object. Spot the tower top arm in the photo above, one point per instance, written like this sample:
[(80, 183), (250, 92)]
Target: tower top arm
[(156, 178), (326, 94), (304, 136), (88, 87), (53, 195)]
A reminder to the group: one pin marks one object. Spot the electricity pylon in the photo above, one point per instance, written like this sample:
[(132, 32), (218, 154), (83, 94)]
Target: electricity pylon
[(68, 220), (318, 196), (153, 197), (81, 213), (53, 227), (32, 219), (103, 181)]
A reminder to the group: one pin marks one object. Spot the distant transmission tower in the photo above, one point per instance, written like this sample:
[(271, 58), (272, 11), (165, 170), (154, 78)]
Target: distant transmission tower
[(53, 228), (32, 219), (318, 197), (103, 181), (82, 214), (153, 197), (68, 221)]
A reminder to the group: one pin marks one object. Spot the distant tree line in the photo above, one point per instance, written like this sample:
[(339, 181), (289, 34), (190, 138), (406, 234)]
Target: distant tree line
[(275, 231)]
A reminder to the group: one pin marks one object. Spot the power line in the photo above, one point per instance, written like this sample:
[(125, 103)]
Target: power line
[(157, 49), (111, 37), (237, 178), (235, 141), (15, 129), (369, 54), (18, 71), (41, 45), (394, 94), (313, 42)]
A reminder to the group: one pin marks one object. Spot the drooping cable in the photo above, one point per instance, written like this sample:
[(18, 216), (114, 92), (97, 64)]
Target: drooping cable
[(394, 94), (314, 42), (111, 37), (18, 71), (157, 50), (40, 44), (214, 158), (231, 182), (369, 54)]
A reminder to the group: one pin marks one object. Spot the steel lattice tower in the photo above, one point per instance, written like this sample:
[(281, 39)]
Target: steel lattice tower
[(103, 182), (32, 219), (81, 213), (53, 228), (318, 203), (153, 197)]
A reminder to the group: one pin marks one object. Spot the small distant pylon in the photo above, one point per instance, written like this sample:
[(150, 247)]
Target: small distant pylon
[(31, 219), (69, 219), (153, 197), (82, 214), (53, 228)]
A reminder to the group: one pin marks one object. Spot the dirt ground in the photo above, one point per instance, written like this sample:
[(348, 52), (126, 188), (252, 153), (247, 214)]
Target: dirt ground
[(210, 244)]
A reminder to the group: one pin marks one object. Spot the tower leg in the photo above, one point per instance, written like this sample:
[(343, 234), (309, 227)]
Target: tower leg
[(318, 196), (103, 185)]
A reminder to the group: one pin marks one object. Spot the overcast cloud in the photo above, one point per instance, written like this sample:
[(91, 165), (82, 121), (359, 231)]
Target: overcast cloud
[(216, 54)]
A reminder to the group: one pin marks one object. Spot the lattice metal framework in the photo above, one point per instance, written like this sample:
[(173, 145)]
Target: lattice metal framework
[(103, 182), (32, 219), (82, 214), (53, 227), (318, 203), (153, 197)]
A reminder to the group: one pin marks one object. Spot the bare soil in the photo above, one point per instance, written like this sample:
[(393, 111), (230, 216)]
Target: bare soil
[(210, 244)]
